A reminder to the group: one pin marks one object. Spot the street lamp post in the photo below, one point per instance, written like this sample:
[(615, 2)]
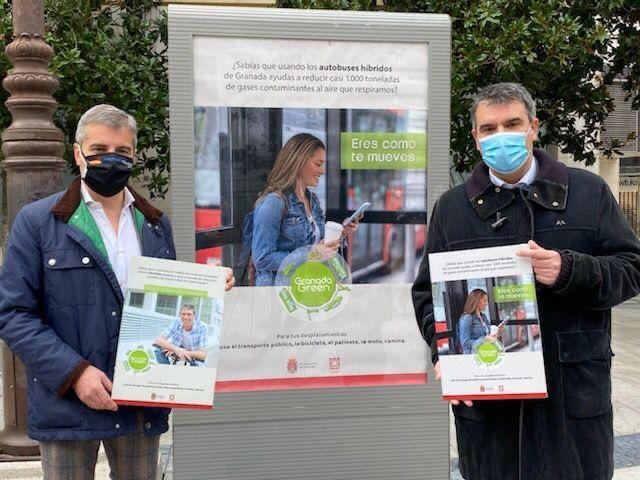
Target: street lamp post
[(32, 147)]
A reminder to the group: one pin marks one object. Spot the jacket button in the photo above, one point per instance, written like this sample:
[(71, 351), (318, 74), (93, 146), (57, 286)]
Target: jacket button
[(52, 262), (535, 194), (85, 260), (147, 425), (497, 189), (114, 313), (480, 202), (555, 204), (117, 425), (157, 227)]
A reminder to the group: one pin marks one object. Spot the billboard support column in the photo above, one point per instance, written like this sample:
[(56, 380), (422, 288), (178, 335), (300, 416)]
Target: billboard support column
[(32, 146)]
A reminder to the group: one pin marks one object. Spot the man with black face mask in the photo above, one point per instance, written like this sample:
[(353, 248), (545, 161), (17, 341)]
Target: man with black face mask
[(61, 297), (585, 258)]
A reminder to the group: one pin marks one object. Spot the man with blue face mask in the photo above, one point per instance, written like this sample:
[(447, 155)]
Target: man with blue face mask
[(586, 259), (62, 290)]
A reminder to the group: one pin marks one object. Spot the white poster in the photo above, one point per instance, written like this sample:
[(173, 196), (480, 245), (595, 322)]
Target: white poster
[(487, 324), (169, 334), (282, 73), (373, 340), (356, 112)]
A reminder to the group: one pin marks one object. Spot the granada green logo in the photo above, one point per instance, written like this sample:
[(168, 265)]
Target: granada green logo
[(313, 284), (138, 360), (311, 288), (489, 354)]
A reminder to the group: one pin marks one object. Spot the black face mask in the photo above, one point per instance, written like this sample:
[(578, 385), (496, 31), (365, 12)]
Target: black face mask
[(108, 173)]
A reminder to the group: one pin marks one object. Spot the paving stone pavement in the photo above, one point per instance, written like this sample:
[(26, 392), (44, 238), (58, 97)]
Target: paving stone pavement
[(625, 395), (625, 398)]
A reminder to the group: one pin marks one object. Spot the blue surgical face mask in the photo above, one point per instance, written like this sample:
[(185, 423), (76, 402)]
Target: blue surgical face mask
[(505, 152)]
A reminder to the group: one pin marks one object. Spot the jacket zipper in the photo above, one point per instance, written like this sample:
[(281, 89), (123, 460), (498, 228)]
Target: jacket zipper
[(530, 210)]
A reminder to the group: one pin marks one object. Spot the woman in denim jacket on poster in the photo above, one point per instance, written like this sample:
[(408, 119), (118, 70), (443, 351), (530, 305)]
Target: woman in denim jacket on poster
[(473, 326), (287, 214)]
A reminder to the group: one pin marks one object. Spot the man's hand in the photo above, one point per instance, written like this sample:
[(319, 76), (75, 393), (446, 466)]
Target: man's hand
[(181, 354), (546, 263), (93, 387), (436, 367), (230, 280)]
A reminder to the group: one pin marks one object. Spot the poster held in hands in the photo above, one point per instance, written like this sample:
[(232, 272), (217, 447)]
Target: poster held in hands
[(169, 334), (487, 324)]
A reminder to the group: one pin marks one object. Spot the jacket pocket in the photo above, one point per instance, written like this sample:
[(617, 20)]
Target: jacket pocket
[(585, 360), (294, 228), (69, 278), (48, 411)]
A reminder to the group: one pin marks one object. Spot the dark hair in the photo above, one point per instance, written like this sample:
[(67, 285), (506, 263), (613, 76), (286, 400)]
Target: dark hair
[(501, 93)]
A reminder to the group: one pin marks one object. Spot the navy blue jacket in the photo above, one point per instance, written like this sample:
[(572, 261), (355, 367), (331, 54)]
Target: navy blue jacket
[(60, 309)]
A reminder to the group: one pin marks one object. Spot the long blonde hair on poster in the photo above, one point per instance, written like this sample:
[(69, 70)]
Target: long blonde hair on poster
[(473, 299), (290, 160)]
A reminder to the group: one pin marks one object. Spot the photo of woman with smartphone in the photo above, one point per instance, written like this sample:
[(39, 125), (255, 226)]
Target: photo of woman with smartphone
[(474, 326), (287, 215)]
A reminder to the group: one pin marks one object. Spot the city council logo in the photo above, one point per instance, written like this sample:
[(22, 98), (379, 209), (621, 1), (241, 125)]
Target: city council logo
[(334, 364), (312, 288), (292, 365)]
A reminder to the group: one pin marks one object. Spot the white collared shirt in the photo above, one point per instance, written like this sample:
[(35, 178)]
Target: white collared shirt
[(121, 247), (528, 177)]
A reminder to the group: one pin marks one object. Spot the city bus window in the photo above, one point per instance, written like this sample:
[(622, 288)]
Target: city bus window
[(211, 150), (378, 252), (385, 252), (235, 151), (387, 190)]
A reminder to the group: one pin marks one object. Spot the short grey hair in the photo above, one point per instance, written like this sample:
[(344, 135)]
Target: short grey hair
[(108, 115), (188, 306), (501, 93)]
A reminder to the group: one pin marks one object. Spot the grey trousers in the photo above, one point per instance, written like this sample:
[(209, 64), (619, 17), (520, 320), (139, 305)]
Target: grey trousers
[(131, 457)]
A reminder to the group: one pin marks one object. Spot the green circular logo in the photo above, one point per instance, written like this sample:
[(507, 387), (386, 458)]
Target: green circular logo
[(488, 353), (138, 360), (313, 284), (313, 288)]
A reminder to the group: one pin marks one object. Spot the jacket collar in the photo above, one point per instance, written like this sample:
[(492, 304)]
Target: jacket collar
[(549, 189), (293, 198), (68, 203)]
